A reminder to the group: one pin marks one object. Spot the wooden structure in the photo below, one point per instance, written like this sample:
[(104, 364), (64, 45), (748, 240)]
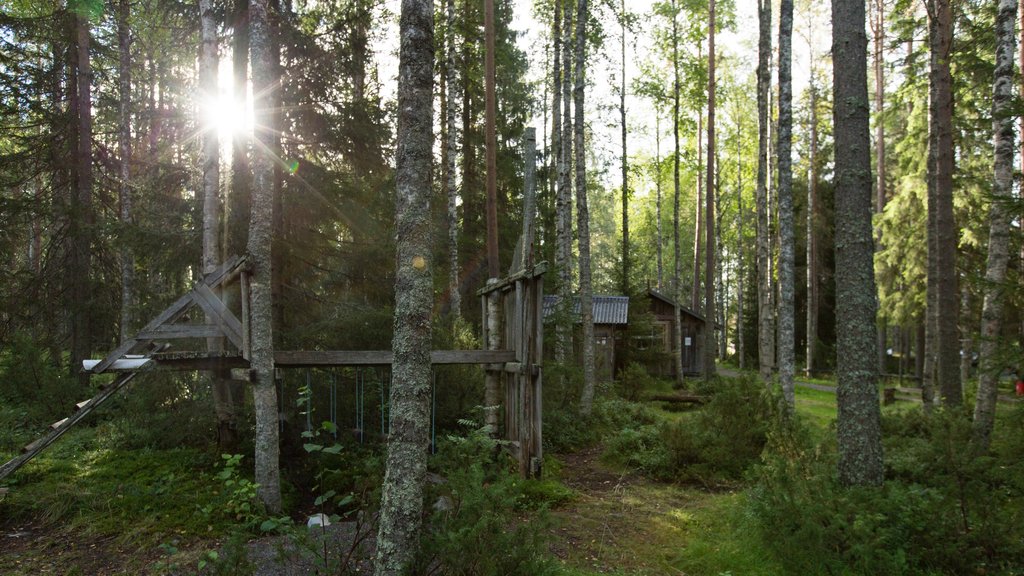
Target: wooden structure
[(611, 317), (517, 361), (203, 313), (691, 335), (520, 329)]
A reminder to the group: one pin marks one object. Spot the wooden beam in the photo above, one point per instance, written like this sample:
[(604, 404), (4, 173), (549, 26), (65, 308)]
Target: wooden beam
[(537, 270), (301, 358), (218, 311), (175, 331)]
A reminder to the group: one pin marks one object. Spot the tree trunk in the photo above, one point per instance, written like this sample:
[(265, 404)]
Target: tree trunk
[(812, 242), (787, 316), (451, 146), (999, 217), (124, 136), (563, 200), (583, 216), (261, 220), (741, 350), (405, 473), (859, 420), (238, 200), (710, 345), (492, 381), (677, 344), (947, 343), (81, 207), (625, 159), (657, 188), (698, 224), (765, 320), (210, 149), (878, 30)]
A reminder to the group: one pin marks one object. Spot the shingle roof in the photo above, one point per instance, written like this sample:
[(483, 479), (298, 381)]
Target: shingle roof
[(607, 309)]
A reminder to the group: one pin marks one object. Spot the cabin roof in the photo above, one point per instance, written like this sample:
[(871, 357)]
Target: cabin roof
[(607, 309), (683, 309)]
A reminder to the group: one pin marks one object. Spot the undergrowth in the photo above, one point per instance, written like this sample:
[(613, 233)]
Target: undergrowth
[(941, 509)]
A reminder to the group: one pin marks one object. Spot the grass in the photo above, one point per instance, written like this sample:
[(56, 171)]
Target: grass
[(112, 502)]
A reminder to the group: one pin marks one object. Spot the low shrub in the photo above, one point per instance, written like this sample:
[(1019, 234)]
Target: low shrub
[(940, 511), (715, 444), (477, 525)]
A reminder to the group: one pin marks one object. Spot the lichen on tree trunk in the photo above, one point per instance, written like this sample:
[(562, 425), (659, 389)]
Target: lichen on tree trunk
[(402, 492), (261, 358), (858, 423), (999, 227)]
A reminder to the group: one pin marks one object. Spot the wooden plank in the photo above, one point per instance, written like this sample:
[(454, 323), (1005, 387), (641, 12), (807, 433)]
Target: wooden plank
[(174, 331), (225, 272), (219, 313), (246, 336), (301, 358), (58, 423), (31, 450), (177, 361), (170, 314), (528, 273)]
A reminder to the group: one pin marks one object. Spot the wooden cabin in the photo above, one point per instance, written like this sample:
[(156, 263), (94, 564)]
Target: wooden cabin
[(611, 316), (691, 329)]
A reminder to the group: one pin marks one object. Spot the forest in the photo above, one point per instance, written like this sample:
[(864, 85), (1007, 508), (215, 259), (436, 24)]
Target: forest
[(527, 287)]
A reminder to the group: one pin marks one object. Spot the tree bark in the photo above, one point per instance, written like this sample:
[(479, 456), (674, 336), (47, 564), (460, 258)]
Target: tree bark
[(999, 217), (492, 382), (677, 348), (710, 346), (238, 208), (947, 341), (402, 497), (787, 316), (741, 350), (491, 142), (878, 30), (261, 220), (583, 216), (82, 219), (765, 320), (625, 159), (124, 136), (812, 241), (451, 144), (563, 202), (657, 189), (698, 218), (223, 402), (859, 419)]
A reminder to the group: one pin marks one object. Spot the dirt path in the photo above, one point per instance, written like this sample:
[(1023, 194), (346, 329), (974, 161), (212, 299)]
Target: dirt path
[(619, 522)]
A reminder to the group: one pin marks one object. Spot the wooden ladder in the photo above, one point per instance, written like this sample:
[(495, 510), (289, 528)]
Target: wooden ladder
[(162, 328), (57, 429)]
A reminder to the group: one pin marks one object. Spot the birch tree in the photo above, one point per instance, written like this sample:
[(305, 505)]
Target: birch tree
[(858, 423), (406, 467), (765, 322), (451, 146), (583, 214), (999, 226)]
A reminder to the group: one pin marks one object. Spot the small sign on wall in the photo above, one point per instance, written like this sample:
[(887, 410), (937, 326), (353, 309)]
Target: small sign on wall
[(688, 343)]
